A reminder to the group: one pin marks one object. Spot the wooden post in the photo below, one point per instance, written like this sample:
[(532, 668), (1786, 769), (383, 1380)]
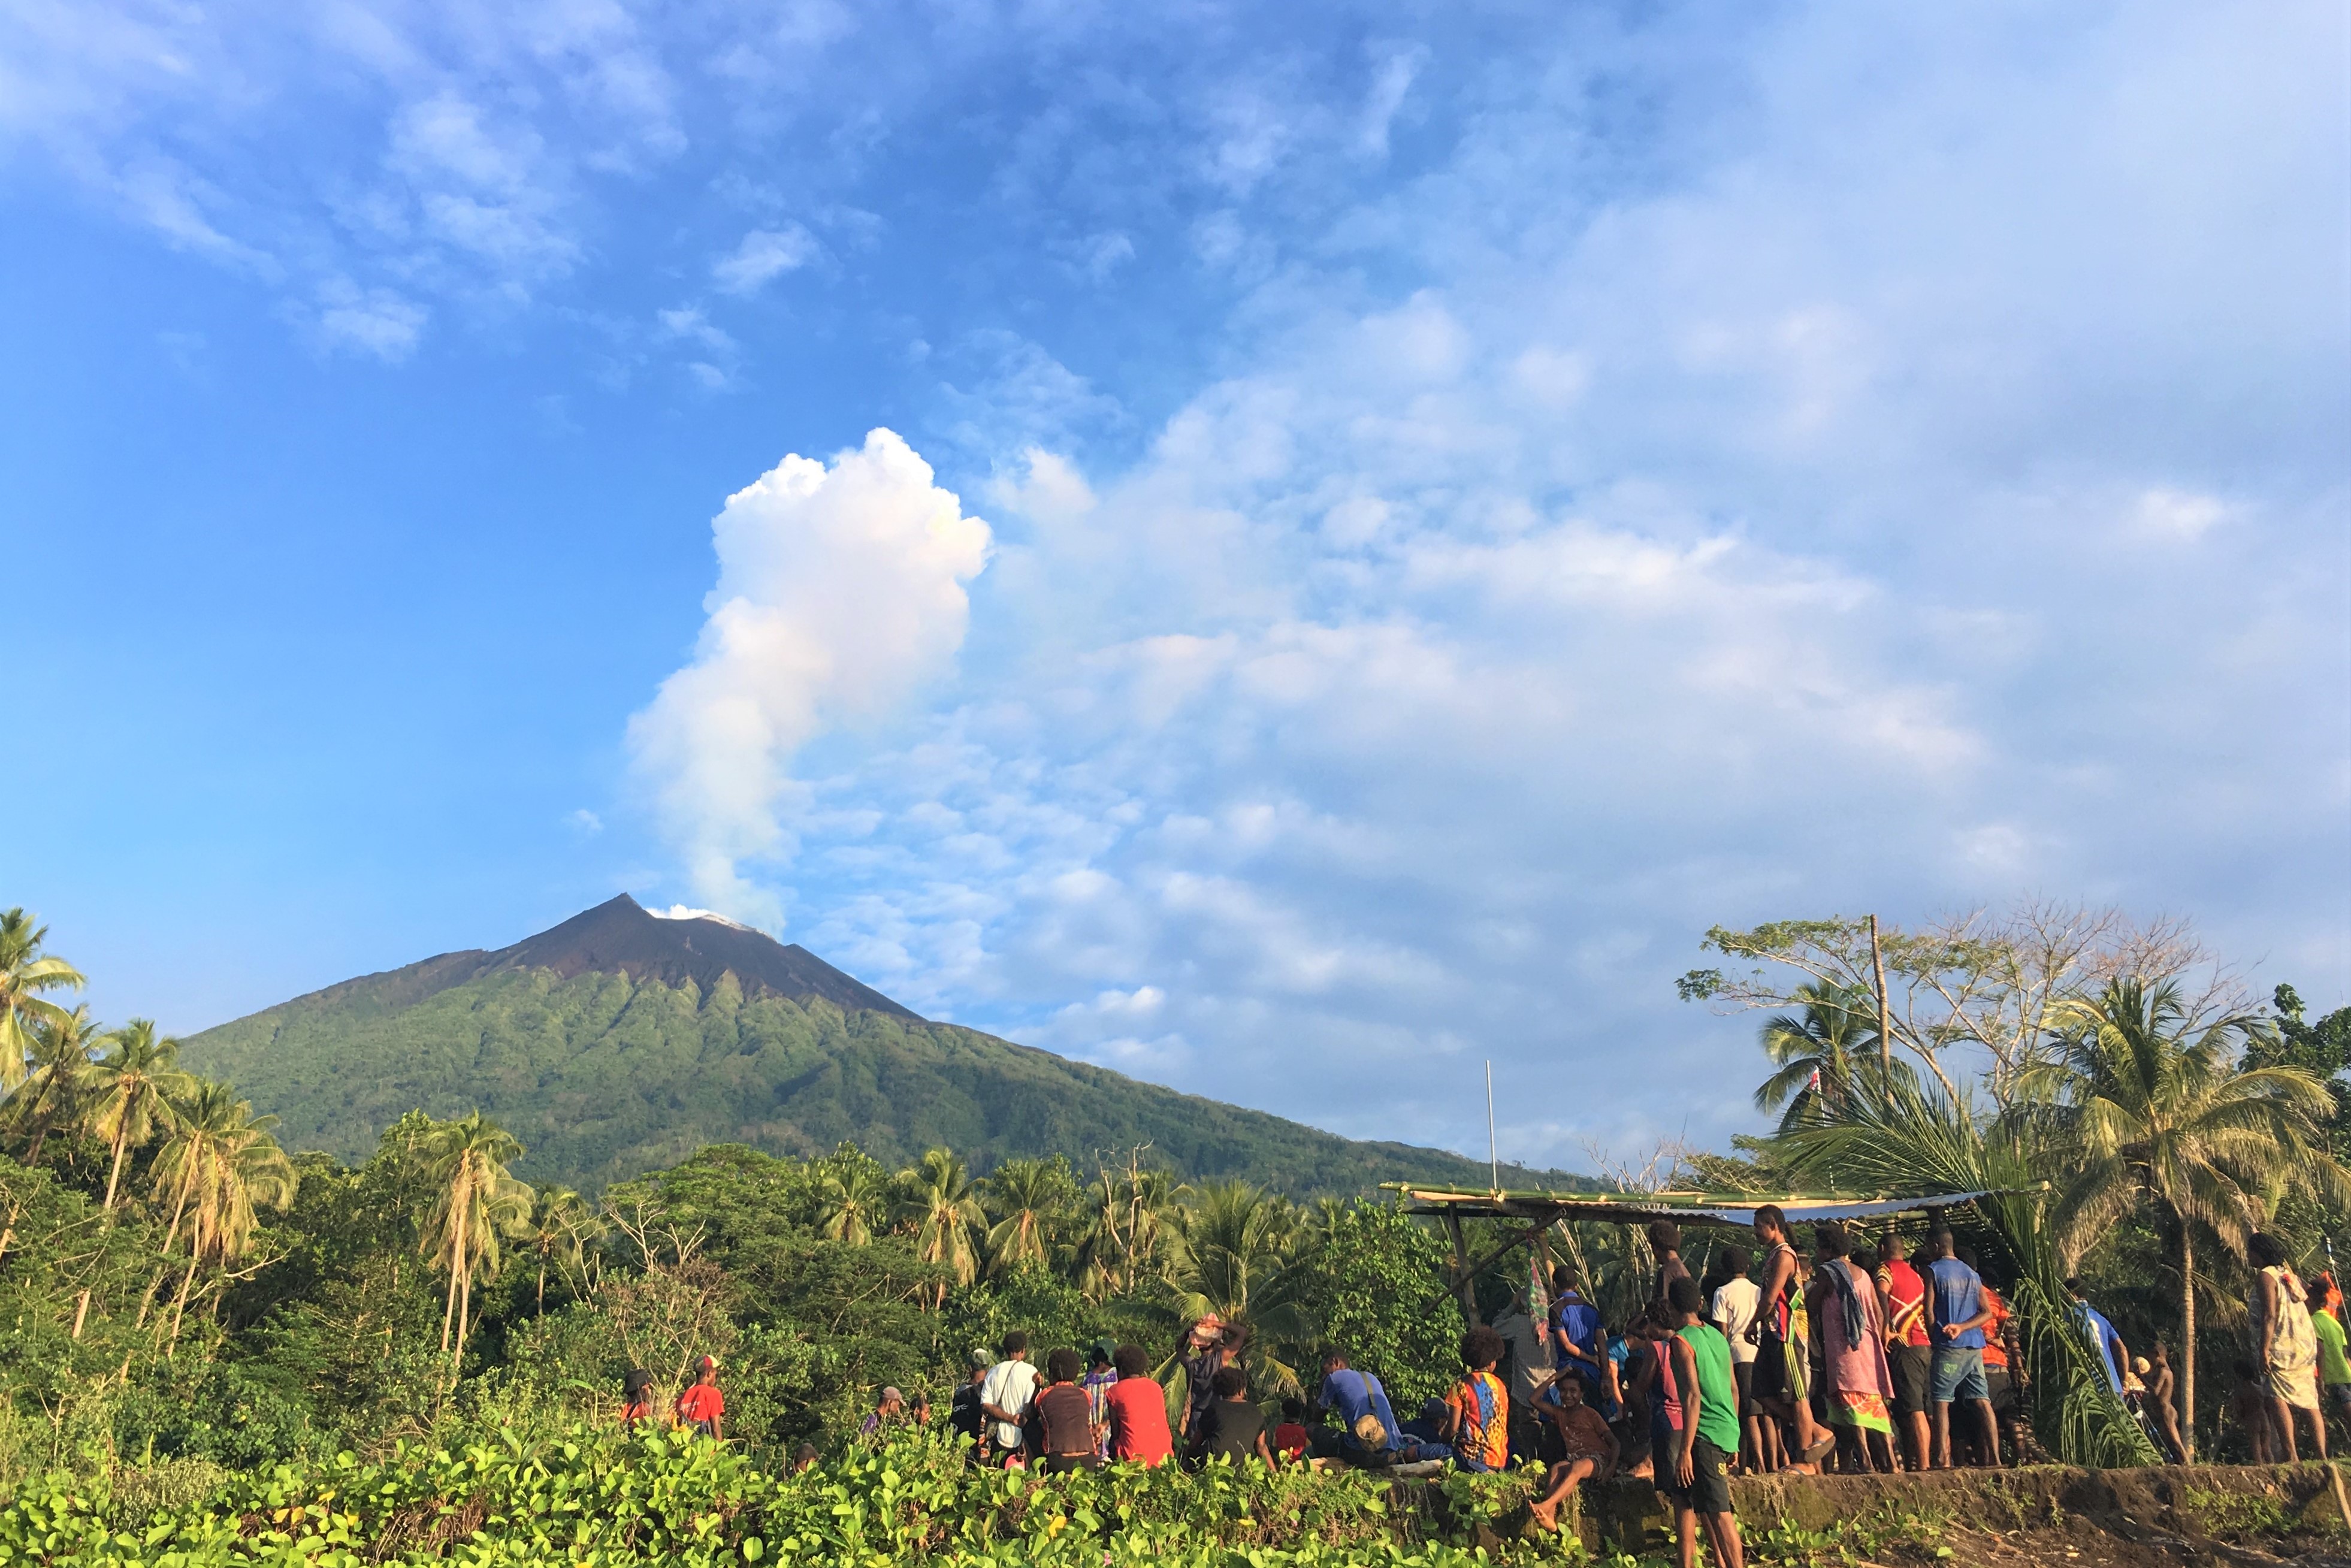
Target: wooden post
[(1885, 1034), (1465, 1286)]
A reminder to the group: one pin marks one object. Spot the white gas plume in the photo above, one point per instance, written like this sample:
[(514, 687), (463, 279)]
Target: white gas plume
[(841, 590)]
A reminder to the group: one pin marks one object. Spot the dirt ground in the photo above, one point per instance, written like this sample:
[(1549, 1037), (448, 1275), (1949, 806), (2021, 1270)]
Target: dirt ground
[(2239, 1515)]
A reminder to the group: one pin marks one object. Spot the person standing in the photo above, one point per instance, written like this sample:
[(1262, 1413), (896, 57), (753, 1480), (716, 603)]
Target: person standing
[(1666, 1241), (1204, 1347), (1576, 1334), (701, 1408), (965, 1417), (2161, 1385), (1005, 1397), (1735, 1302), (890, 1410), (1853, 1341), (1956, 1316), (637, 1398), (2285, 1344), (1524, 1360), (1102, 1376), (1909, 1355), (1692, 1467), (1138, 1411), (1782, 1377), (2333, 1366)]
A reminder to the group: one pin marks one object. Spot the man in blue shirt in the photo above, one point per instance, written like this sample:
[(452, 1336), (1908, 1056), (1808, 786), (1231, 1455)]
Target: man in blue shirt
[(1355, 1398), (2111, 1351), (1576, 1334), (1956, 1315)]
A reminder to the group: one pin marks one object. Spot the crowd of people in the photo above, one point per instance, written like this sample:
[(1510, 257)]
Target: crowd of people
[(1870, 1354)]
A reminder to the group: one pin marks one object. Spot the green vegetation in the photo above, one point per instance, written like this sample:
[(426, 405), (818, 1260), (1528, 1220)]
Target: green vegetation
[(592, 1495), (603, 1076)]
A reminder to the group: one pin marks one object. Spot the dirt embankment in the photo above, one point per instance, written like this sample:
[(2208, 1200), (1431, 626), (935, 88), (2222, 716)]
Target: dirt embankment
[(2235, 1514)]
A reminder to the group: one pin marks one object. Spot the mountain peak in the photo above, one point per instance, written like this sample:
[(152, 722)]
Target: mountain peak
[(674, 946)]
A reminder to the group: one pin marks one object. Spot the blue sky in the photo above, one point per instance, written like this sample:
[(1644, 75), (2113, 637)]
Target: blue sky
[(1391, 522)]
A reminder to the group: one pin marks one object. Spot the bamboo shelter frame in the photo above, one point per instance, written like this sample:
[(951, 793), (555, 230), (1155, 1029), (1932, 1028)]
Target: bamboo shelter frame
[(1533, 1212)]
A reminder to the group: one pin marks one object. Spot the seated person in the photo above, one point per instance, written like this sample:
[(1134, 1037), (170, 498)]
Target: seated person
[(1584, 1438), (1289, 1441), (1477, 1411), (1230, 1428), (1428, 1426), (1367, 1433)]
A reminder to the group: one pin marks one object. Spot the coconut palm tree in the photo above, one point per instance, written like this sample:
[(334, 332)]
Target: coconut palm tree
[(57, 1071), (25, 973), (851, 1195), (1821, 1053), (561, 1227), (940, 1199), (130, 1086), (1027, 1197), (2140, 1103), (220, 1165), (477, 1204), (1228, 1253)]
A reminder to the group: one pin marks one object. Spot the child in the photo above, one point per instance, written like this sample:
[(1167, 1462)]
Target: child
[(1589, 1445), (2249, 1409), (1290, 1438), (636, 1397), (1477, 1411), (1697, 1435)]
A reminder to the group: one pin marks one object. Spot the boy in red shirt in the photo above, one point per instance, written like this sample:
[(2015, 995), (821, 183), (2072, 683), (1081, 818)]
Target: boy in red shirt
[(1477, 1411), (1909, 1353), (1290, 1440), (1138, 1411), (700, 1406)]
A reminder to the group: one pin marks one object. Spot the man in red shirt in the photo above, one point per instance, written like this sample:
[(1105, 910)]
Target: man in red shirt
[(700, 1406), (1910, 1351), (1138, 1411)]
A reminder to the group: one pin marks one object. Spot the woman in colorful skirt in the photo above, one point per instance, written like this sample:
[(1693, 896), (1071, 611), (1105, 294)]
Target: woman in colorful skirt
[(1852, 1343)]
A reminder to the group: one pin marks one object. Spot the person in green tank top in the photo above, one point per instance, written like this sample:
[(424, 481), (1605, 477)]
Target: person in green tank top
[(1695, 1473)]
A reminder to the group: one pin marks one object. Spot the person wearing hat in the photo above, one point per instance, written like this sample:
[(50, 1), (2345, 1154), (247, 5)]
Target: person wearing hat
[(964, 1415), (1205, 1347), (1102, 1376), (888, 1411), (701, 1406)]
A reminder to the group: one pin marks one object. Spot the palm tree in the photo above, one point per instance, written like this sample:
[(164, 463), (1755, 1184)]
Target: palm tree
[(852, 1197), (219, 1166), (2140, 1103), (130, 1086), (940, 1199), (24, 974), (561, 1227), (1026, 1196), (1821, 1053), (58, 1067), (1228, 1252), (477, 1203)]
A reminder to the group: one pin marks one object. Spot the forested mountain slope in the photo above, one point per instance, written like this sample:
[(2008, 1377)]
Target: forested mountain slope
[(622, 1042)]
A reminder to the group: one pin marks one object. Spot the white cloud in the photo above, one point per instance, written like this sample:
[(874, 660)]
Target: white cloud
[(764, 255), (374, 321), (841, 590), (2178, 515)]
